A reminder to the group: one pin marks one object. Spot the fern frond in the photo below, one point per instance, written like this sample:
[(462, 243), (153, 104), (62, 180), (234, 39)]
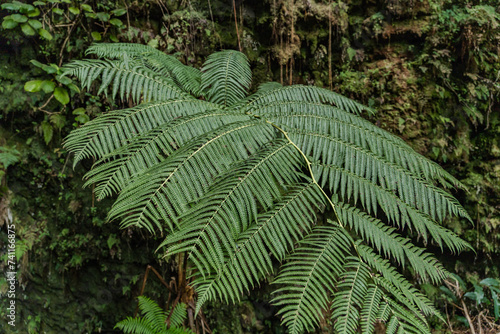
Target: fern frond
[(389, 243), (402, 300), (329, 120), (407, 321), (115, 170), (154, 319), (178, 330), (162, 193), (266, 86), (187, 78), (136, 326), (177, 315), (274, 234), (128, 78), (352, 288), (411, 189), (400, 287), (226, 77), (393, 325), (370, 309), (152, 322), (108, 132), (311, 270), (152, 313), (303, 94), (119, 50), (232, 204), (364, 298), (350, 186), (384, 312)]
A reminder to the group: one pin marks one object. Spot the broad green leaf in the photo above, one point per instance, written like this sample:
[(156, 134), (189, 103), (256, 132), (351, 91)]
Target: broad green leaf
[(73, 87), (48, 86), (119, 11), (74, 10), (35, 24), (33, 86), (48, 69), (103, 16), (96, 36), (86, 8), (58, 11), (496, 305), (153, 43), (9, 24), (45, 34), (47, 131), (27, 30), (116, 22), (64, 80), (12, 6), (25, 8), (112, 240), (84, 118), (79, 111), (490, 282), (19, 18), (33, 13), (61, 95)]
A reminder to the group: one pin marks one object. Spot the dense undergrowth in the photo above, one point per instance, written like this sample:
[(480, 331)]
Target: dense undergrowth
[(430, 68)]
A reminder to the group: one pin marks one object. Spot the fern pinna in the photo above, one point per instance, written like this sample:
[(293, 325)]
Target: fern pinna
[(155, 320), (289, 175)]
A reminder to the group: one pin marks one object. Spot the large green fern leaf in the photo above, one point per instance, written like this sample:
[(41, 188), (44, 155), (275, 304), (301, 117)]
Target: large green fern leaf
[(273, 235), (308, 276), (226, 77)]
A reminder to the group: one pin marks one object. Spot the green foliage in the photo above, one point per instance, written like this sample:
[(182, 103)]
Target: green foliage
[(289, 173), (478, 295), (8, 156), (155, 320), (430, 68), (484, 295), (219, 82)]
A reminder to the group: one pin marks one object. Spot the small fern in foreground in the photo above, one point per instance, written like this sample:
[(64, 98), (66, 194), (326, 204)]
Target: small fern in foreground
[(292, 175), (155, 320)]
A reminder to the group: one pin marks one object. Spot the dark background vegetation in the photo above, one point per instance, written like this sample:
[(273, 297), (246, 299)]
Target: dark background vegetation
[(431, 68)]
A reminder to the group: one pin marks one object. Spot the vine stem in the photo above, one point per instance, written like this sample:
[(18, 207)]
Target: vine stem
[(236, 25), (308, 163)]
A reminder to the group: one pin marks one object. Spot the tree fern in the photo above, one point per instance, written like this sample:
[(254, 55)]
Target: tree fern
[(292, 175), (155, 320)]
